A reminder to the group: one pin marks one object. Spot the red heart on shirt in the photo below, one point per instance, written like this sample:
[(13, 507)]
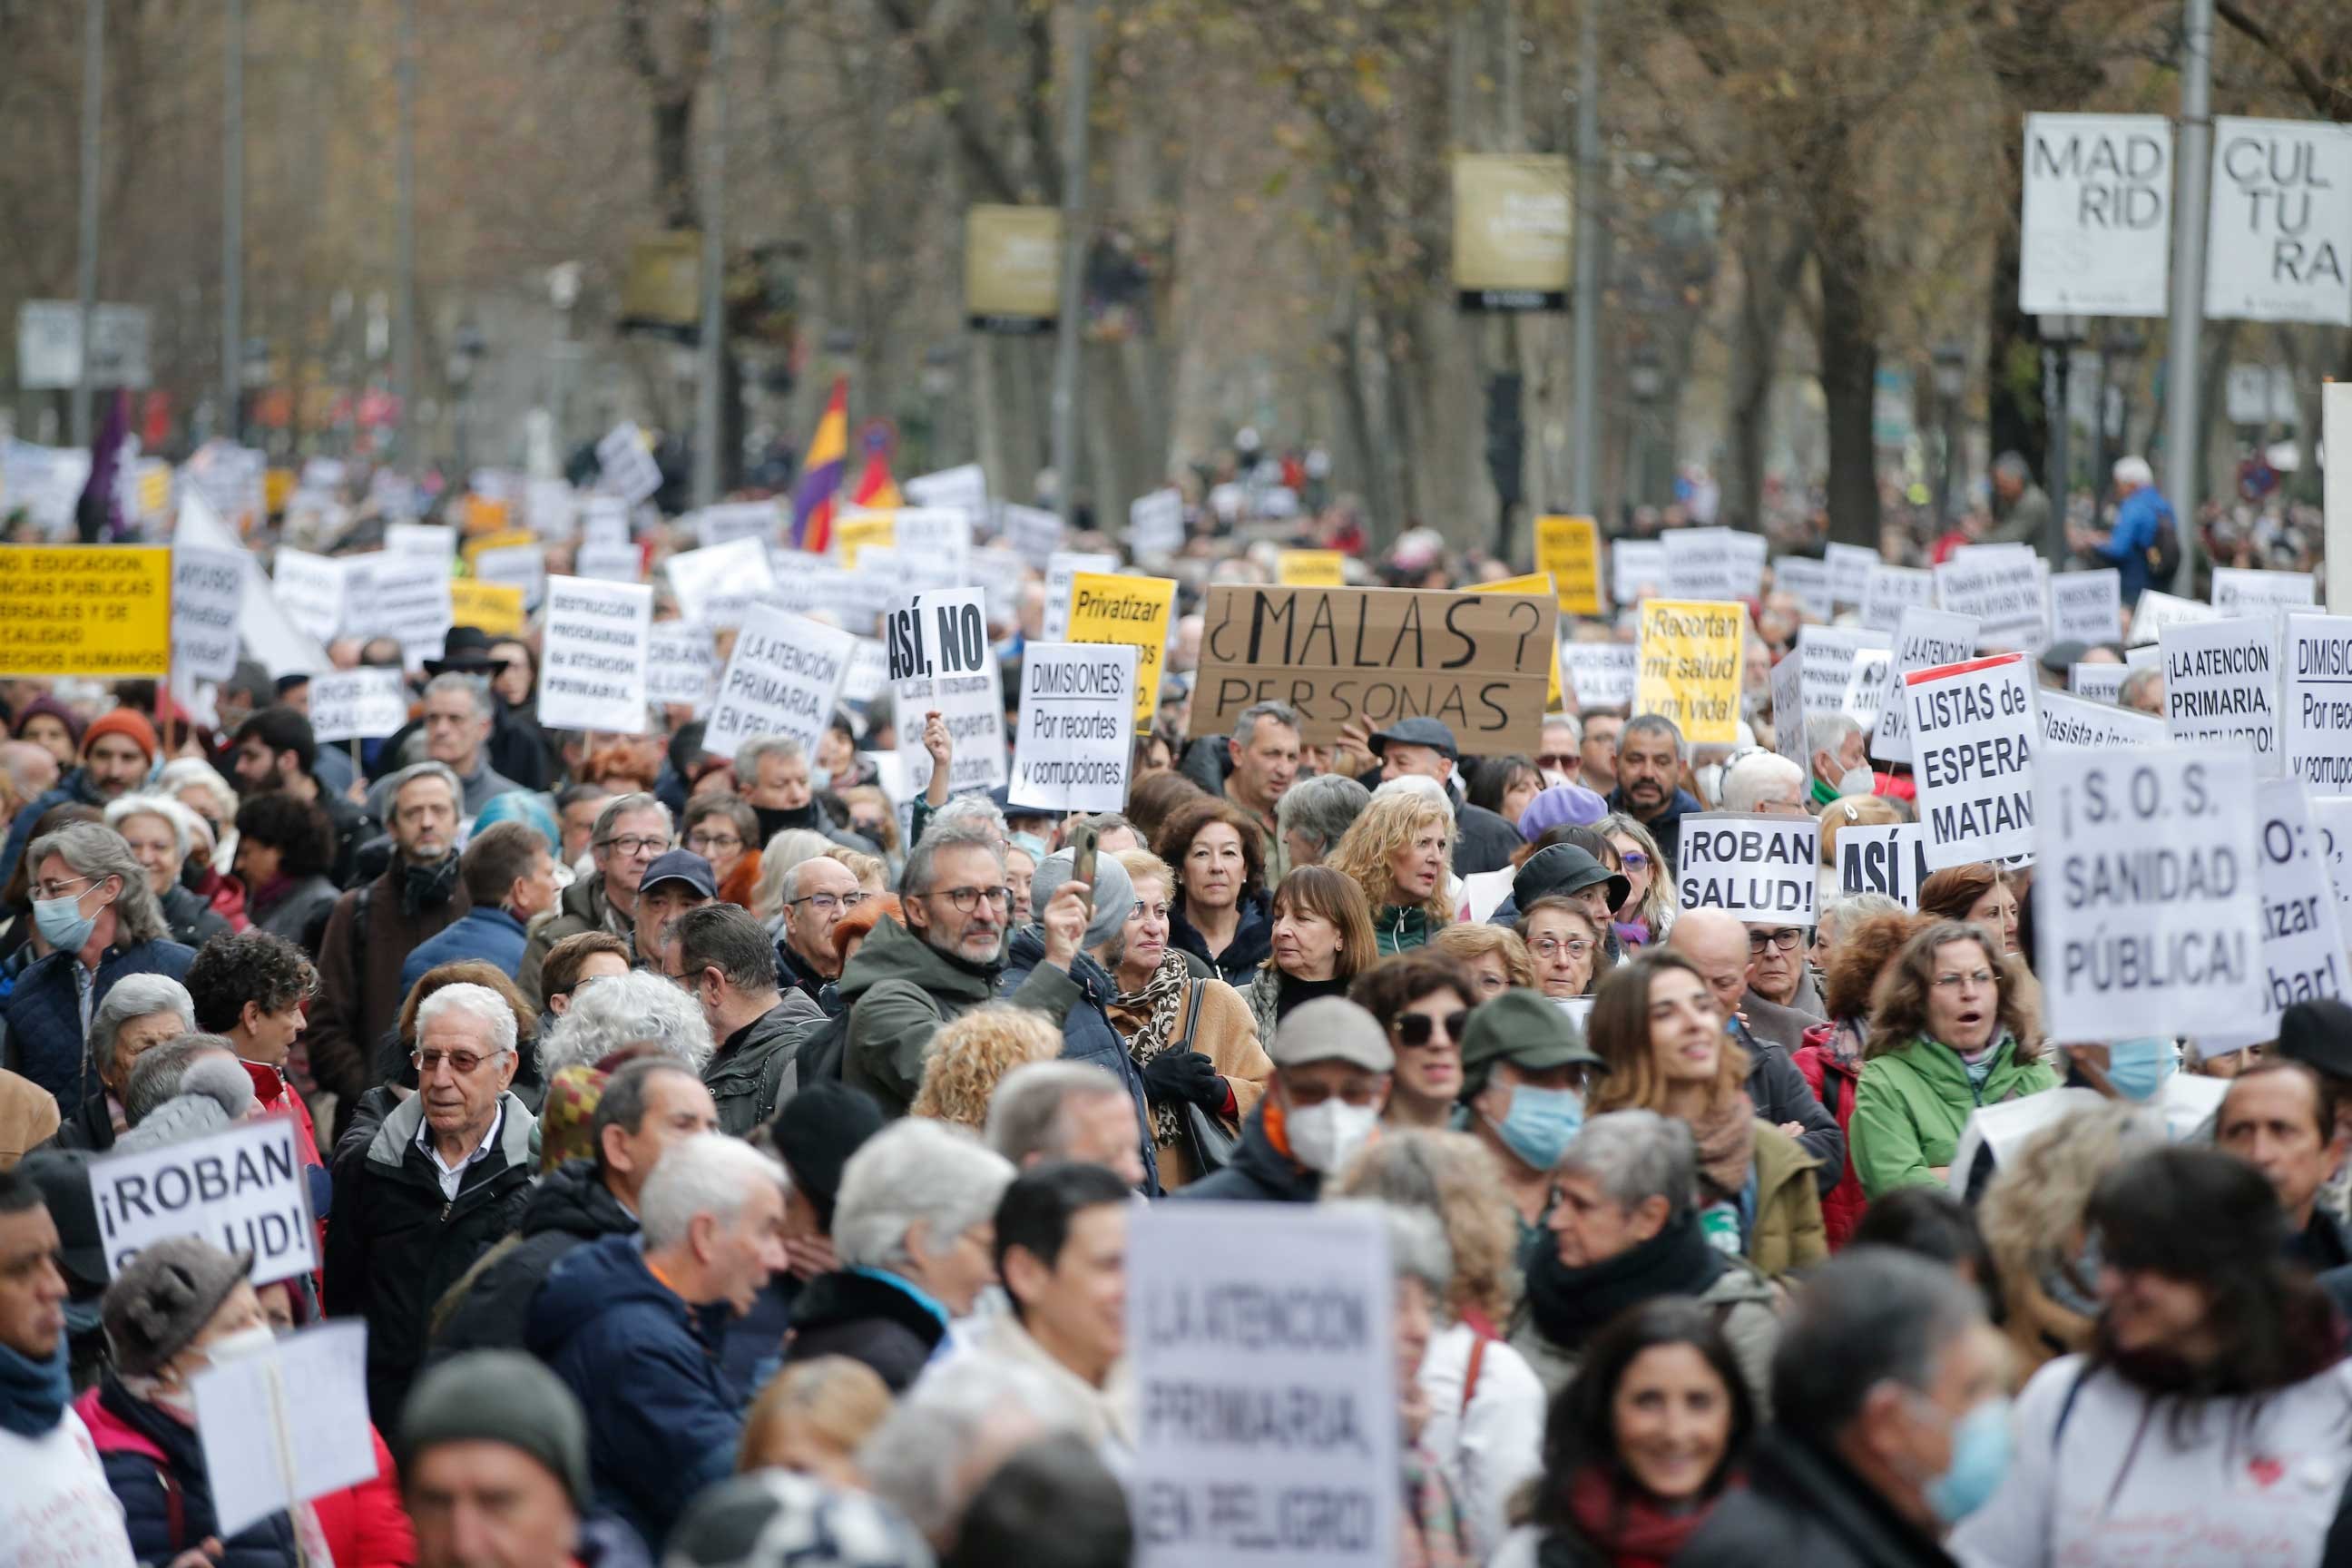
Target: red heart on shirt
[(2267, 1472)]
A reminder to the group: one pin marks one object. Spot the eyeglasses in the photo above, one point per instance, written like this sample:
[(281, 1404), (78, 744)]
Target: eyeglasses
[(1979, 977), (827, 902), (1634, 859), (1785, 939), (462, 1063), (633, 844), (1414, 1030), (61, 890), (964, 899), (708, 841), (1563, 761), (1551, 947)]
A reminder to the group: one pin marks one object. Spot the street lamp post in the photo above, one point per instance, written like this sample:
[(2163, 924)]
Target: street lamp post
[(466, 350), (2119, 354), (1645, 379), (1951, 383), (2059, 334)]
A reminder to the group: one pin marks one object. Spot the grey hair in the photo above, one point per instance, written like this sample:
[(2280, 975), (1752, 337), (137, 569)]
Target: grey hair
[(783, 851), (2142, 678), (1837, 911), (155, 1076), (972, 808), (1828, 732), (135, 997), (758, 748), (1637, 1155), (2012, 466), (1869, 1316), (1417, 1246), (626, 1010), (425, 770), (1756, 775), (194, 772), (1321, 809), (914, 1173), (949, 833), (1027, 1114), (1245, 721), (480, 1003), (1654, 724), (223, 1082), (708, 1173), (614, 808), (97, 852), (474, 686), (1569, 722), (143, 803), (916, 1458)]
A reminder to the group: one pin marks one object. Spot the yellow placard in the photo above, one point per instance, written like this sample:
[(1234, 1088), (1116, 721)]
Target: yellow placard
[(1311, 569), (1569, 549), (1535, 582), (852, 534), (101, 610), (494, 607), (1689, 666), (277, 484), (154, 493), (1133, 610), (484, 515), (473, 547)]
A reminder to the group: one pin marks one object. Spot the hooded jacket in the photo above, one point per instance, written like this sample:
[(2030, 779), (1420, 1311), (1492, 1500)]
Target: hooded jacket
[(662, 1423), (490, 934), (490, 1307), (900, 989), (1079, 1005), (368, 938), (1912, 1105), (155, 1463), (1257, 1174), (870, 1319), (397, 1245), (45, 1040), (1253, 942), (752, 1074)]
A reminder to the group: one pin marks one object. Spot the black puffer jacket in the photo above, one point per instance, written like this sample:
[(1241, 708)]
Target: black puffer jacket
[(155, 1467), (194, 921), (867, 1320), (1253, 942), (1259, 1173), (489, 1309)]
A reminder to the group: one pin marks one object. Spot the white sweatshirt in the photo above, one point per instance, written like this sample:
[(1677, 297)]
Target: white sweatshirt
[(56, 1508)]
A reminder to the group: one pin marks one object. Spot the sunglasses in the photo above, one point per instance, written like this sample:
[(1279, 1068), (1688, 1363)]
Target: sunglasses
[(1414, 1030), (1563, 762)]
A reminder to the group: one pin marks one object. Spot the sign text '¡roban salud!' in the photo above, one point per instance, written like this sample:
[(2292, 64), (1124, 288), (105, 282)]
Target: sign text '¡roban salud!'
[(96, 610), (1480, 662)]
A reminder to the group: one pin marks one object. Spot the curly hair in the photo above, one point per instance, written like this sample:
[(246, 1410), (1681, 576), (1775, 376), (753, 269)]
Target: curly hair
[(1898, 1010), (1453, 1176), (1387, 825), (1619, 1031), (1865, 950), (297, 829), (969, 1058), (1173, 842), (246, 966), (1471, 941)]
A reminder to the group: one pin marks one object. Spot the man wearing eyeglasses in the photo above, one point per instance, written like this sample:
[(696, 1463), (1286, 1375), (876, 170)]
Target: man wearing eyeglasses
[(632, 832), (817, 893)]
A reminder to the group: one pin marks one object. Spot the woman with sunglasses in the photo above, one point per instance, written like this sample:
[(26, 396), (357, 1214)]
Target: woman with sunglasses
[(1648, 911), (1422, 999)]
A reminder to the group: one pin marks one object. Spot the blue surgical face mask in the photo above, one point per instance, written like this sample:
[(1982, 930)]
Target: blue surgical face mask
[(2137, 1069), (62, 924), (1541, 1123), (1980, 1454)]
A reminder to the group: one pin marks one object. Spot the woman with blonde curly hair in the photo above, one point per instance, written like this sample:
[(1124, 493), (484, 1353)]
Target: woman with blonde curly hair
[(969, 1058), (1485, 1403), (2032, 1217), (1495, 957), (1948, 1033), (812, 1418), (1400, 852)]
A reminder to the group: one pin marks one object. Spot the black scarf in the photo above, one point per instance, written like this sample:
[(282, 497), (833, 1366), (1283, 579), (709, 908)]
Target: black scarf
[(1570, 1305), (1290, 990), (426, 887), (773, 820)]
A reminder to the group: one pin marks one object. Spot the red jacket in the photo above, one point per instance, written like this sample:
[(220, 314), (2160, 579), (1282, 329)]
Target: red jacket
[(365, 1525), (1834, 1084)]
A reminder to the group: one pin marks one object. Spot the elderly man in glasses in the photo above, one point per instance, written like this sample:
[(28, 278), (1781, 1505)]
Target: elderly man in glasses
[(632, 832), (817, 893)]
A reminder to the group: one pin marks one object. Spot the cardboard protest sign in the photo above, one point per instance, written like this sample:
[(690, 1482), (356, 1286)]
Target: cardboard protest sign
[(1061, 568), (310, 590), (207, 594), (98, 610), (2098, 683), (962, 488), (2147, 906), (593, 667), (285, 1423), (242, 1187), (1714, 563), (1890, 860), (1600, 674), (1973, 736), (1130, 610), (2075, 721), (2086, 607), (2156, 611), (1690, 656), (1155, 524), (1480, 662), (2239, 592), (1569, 549), (1999, 585), (1033, 533), (1077, 733), (627, 468), (492, 607), (364, 704), (730, 521), (408, 600), (2315, 708), (1265, 1387), (1891, 591), (2221, 685), (715, 586), (1924, 639), (1850, 568), (1311, 568), (1535, 582), (1759, 868), (1636, 565), (782, 679), (1808, 581)]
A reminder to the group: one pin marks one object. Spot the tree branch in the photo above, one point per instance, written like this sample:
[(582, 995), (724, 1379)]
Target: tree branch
[(970, 134), (2330, 101)]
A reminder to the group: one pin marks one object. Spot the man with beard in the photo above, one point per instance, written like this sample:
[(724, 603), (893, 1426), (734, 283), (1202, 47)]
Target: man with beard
[(118, 751), (373, 926), (275, 750), (1649, 783)]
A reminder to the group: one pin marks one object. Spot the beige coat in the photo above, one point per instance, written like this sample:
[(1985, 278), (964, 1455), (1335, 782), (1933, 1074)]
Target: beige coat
[(28, 1117), (1227, 1035)]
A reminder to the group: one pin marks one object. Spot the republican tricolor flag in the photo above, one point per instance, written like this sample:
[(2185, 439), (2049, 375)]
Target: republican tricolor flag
[(820, 481)]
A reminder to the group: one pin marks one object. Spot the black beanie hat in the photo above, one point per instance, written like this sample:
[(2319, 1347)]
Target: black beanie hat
[(816, 1132)]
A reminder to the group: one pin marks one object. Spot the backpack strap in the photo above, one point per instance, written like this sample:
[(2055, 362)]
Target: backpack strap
[(1478, 1344)]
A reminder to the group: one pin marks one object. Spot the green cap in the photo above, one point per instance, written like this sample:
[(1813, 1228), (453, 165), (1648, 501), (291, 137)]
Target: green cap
[(1524, 1028)]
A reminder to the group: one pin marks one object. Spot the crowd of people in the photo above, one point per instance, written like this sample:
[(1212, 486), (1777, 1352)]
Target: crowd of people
[(733, 1164)]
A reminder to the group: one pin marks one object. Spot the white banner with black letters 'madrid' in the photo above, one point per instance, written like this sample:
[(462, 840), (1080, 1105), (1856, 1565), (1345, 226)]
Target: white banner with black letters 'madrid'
[(2097, 215)]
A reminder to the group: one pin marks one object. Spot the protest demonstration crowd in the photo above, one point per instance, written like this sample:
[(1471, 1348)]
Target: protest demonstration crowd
[(538, 1033)]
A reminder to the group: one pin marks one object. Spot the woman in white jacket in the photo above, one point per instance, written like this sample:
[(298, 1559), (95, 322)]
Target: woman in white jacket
[(2210, 1420), (1486, 1403)]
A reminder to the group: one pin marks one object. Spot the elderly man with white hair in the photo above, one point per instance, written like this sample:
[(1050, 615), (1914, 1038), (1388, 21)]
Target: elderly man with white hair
[(2143, 517), (943, 1439), (914, 1228), (446, 1176), (1765, 783)]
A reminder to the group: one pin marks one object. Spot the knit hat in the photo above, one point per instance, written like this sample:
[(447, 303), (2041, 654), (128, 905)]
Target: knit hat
[(1560, 805), (164, 1297), (1561, 868), (128, 722), (215, 1092), (2318, 1034), (1332, 1029), (774, 1518), (567, 1118), (55, 710), (499, 1396), (817, 1132), (1114, 894), (1522, 1028)]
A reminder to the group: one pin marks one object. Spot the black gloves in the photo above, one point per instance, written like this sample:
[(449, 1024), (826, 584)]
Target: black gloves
[(1176, 1075)]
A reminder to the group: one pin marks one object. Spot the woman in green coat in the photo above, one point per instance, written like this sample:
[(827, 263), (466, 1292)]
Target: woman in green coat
[(1948, 1033), (1399, 850)]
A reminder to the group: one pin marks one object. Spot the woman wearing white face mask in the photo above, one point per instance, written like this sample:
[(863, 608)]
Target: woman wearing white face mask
[(1331, 1066), (180, 1307)]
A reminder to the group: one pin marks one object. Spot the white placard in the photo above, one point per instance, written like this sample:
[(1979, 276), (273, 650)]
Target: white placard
[(1636, 564), (2000, 586), (972, 702), (1889, 859), (2157, 610), (2147, 905), (2074, 721), (309, 591), (628, 470), (810, 585), (522, 566), (1155, 524), (870, 672), (964, 489), (1001, 575), (732, 521), (604, 520), (2315, 703), (1923, 639), (551, 510), (425, 541), (1755, 866), (716, 585), (1850, 568), (2331, 819), (207, 597), (942, 634), (1714, 563), (903, 573), (408, 599), (1598, 674), (1076, 732), (1787, 684), (938, 536), (1866, 686), (2301, 949), (1893, 590), (286, 1423), (593, 667), (2097, 214), (242, 1188), (2098, 683), (2221, 687), (1808, 581), (783, 679), (1060, 568), (1033, 533), (1828, 656), (364, 704), (608, 562), (2280, 241), (1266, 1308), (681, 665), (1973, 738), (2239, 592), (2086, 607)]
